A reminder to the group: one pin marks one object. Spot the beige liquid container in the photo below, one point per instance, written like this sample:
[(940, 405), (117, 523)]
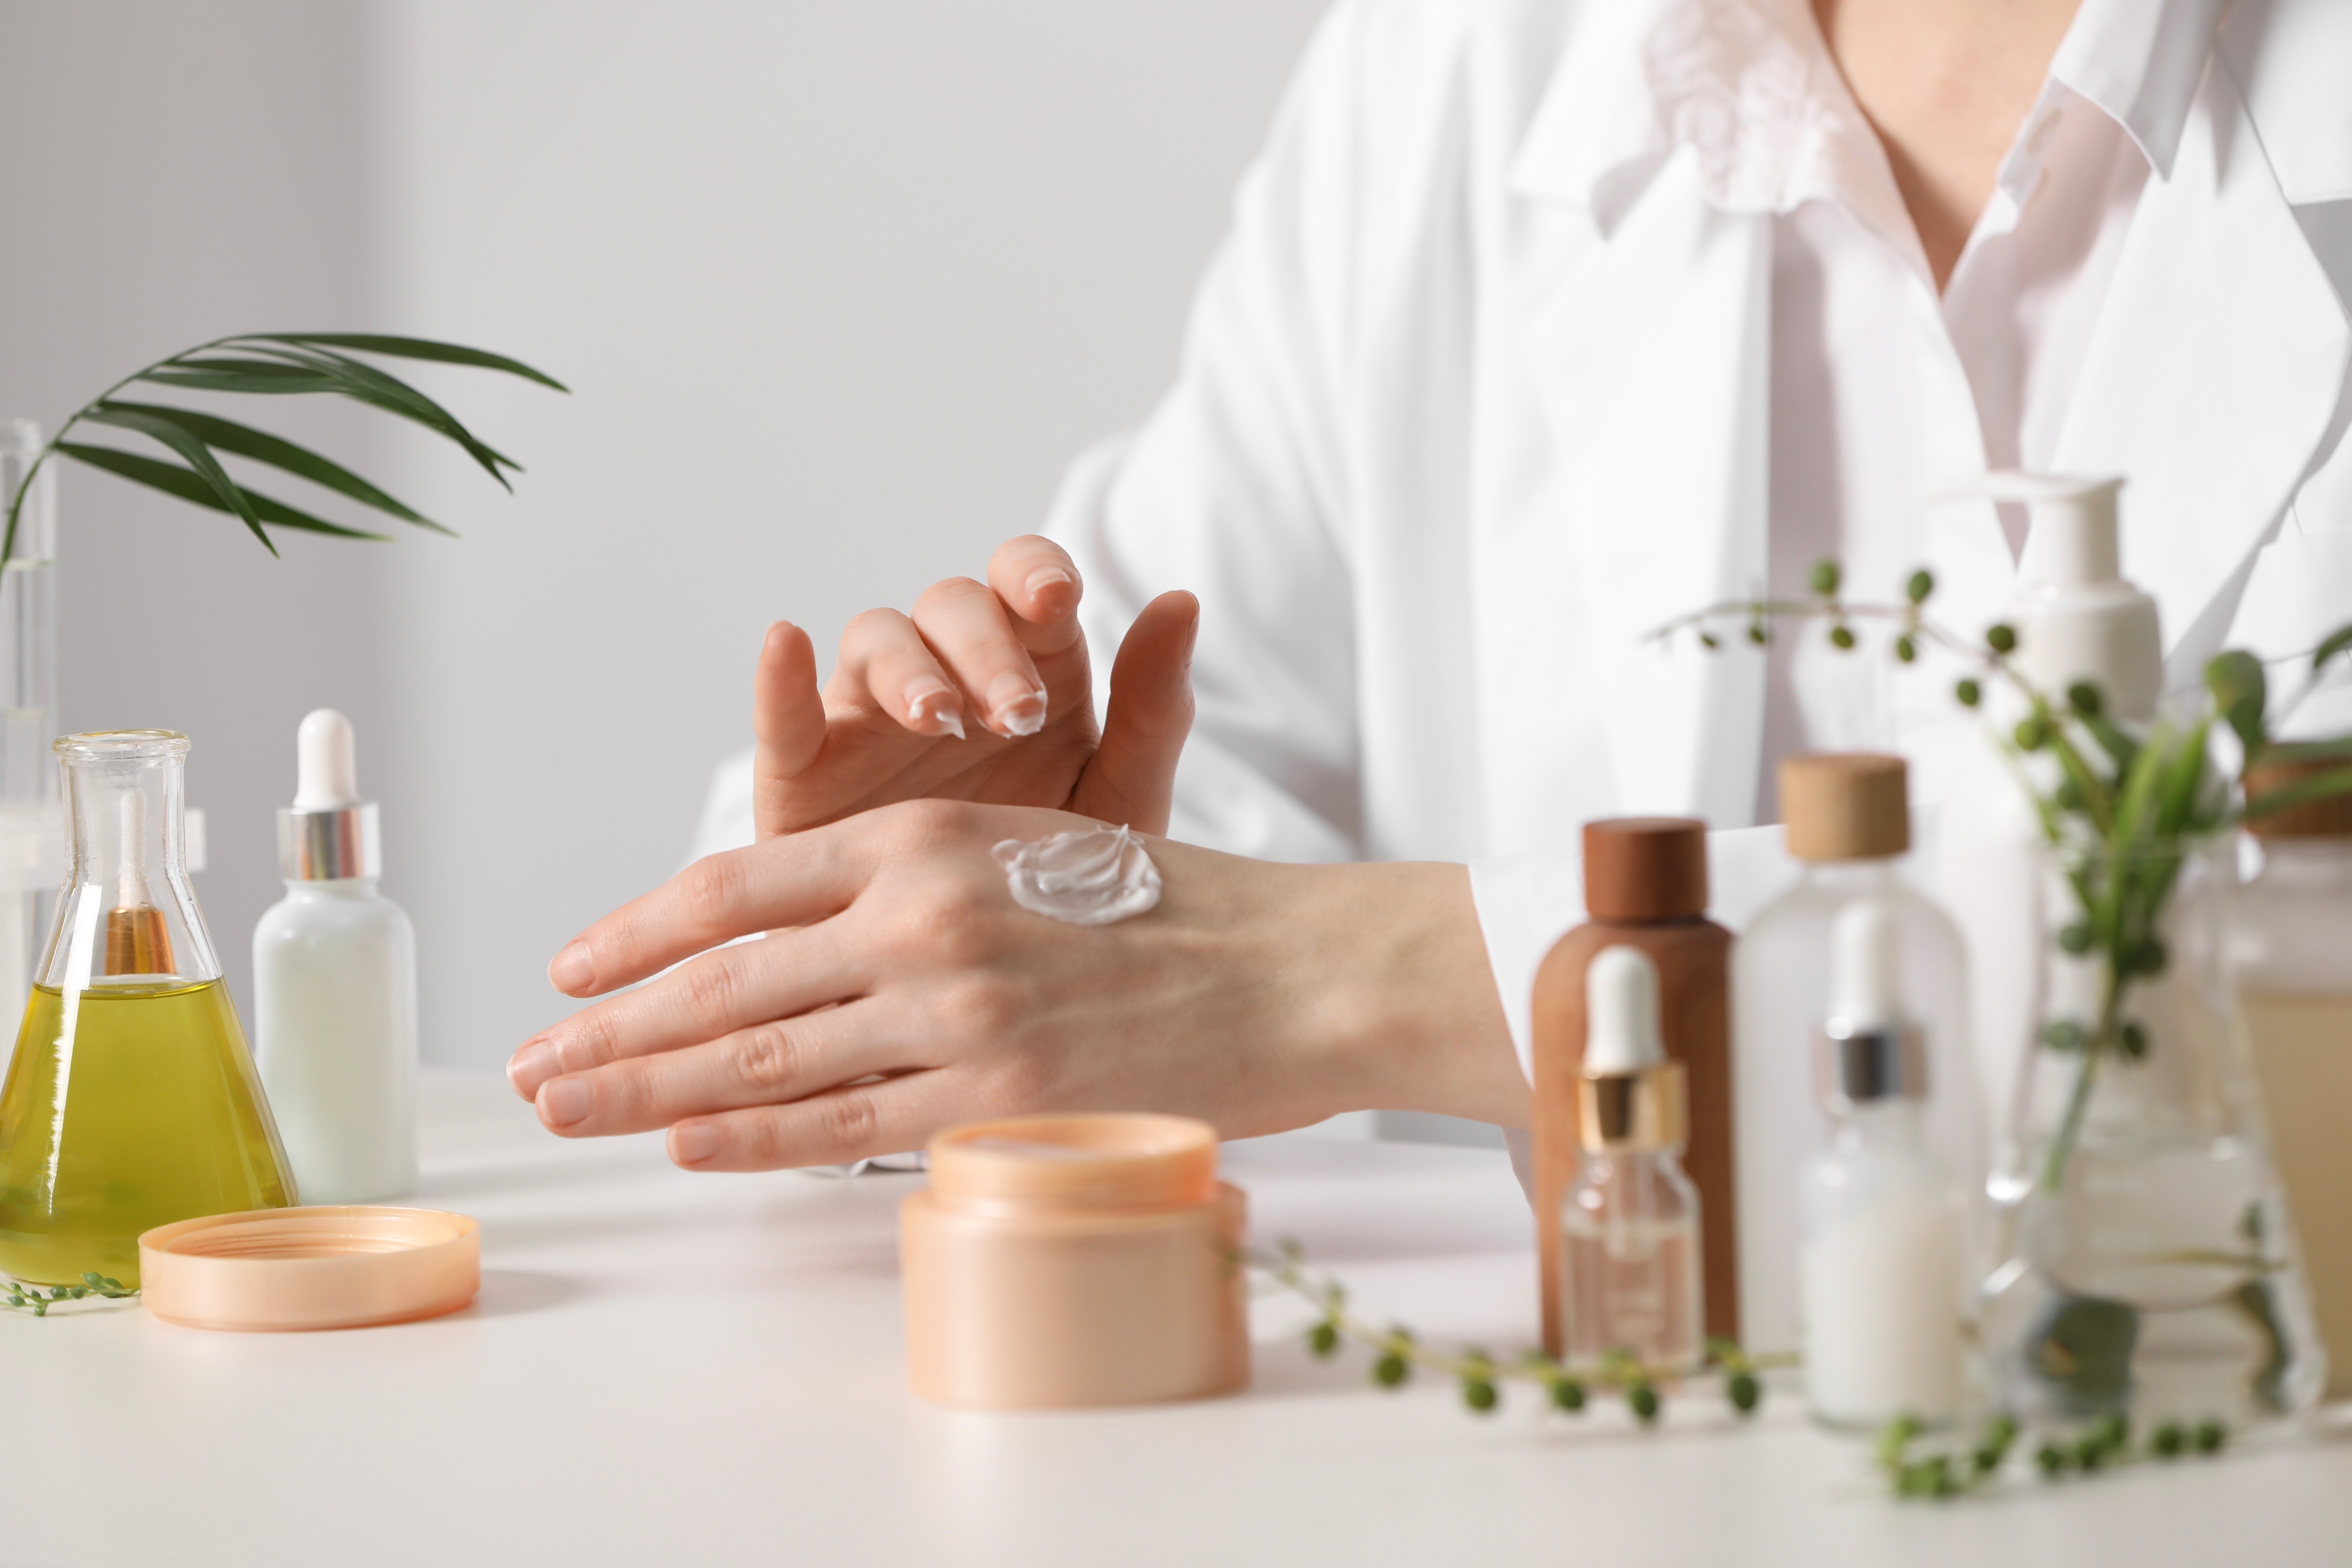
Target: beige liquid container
[(2293, 947), (1064, 1261)]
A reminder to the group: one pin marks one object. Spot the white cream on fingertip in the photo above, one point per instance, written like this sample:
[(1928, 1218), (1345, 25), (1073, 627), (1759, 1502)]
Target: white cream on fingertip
[(1087, 879), (931, 702), (1022, 715)]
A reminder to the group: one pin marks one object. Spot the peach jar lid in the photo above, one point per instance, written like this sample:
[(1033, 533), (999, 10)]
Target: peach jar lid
[(341, 1267), (1088, 1162)]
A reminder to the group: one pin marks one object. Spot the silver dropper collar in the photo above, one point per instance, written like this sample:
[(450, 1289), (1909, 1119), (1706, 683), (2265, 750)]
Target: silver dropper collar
[(328, 846), (1862, 1065)]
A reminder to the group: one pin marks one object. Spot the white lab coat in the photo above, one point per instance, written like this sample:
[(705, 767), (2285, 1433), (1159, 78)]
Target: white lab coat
[(1475, 395)]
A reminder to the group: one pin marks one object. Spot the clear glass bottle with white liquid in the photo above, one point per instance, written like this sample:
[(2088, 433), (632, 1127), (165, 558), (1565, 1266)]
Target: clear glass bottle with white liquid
[(1630, 1257), (1848, 824), (1885, 1262), (334, 982)]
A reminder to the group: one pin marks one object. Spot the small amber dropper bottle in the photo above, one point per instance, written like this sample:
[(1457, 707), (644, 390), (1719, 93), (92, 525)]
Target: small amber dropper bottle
[(1645, 887)]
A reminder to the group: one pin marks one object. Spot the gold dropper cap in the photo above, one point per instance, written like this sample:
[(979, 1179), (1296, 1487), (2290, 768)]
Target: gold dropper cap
[(1638, 1112)]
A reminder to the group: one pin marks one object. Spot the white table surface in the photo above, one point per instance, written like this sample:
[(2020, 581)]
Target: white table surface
[(672, 1368)]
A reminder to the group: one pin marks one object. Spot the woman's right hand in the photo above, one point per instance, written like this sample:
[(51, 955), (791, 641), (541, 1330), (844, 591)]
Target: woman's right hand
[(983, 694)]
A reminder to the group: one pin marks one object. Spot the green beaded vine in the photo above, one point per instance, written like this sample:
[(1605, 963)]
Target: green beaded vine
[(1398, 1353), (1956, 1466)]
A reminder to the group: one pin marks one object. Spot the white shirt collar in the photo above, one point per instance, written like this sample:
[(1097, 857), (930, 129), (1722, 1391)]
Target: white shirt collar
[(1749, 90), (2141, 61)]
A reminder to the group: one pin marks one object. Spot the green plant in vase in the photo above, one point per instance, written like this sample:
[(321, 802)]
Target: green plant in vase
[(2143, 1231)]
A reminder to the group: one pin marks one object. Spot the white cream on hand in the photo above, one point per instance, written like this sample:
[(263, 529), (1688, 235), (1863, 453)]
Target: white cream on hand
[(1090, 879)]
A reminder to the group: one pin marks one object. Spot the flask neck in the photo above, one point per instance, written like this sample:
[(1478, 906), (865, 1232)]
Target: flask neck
[(128, 912)]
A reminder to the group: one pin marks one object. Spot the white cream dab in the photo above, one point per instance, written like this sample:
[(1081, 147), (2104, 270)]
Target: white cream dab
[(1089, 878)]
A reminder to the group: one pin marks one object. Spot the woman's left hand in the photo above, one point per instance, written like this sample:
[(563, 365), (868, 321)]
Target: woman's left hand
[(912, 993)]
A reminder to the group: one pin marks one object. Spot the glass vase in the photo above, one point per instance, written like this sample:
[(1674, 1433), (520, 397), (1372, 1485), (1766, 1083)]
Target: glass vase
[(32, 830), (2145, 1261)]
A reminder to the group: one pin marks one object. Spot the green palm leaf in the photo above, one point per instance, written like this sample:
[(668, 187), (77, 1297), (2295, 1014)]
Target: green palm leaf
[(273, 364), (243, 440), (194, 452), (240, 376), (415, 348), (365, 384), (190, 487)]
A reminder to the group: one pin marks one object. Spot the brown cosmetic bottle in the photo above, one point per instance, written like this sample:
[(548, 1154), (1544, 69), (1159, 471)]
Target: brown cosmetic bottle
[(1644, 887)]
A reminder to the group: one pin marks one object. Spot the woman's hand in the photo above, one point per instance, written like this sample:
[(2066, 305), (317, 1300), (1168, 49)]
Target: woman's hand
[(983, 694), (913, 994)]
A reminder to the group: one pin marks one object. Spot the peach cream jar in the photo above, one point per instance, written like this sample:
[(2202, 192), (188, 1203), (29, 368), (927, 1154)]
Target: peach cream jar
[(1059, 1261)]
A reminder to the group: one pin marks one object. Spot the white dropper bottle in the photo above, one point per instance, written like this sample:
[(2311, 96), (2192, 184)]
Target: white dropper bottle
[(1882, 1269), (334, 980)]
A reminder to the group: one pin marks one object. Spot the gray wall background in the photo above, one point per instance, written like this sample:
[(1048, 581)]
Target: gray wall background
[(838, 288)]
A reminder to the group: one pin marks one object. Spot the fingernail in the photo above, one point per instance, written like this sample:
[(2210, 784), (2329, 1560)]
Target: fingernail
[(529, 1068), (565, 1100), (1019, 706), (929, 700), (692, 1143), (575, 968), (1044, 578)]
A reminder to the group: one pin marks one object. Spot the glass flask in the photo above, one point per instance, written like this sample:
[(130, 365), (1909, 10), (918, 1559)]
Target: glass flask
[(32, 832), (2291, 931), (131, 1101), (2146, 1260)]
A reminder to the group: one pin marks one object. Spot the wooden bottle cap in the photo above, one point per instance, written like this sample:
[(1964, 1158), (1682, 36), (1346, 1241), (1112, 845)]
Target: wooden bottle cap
[(1846, 805), (1645, 868), (2328, 818)]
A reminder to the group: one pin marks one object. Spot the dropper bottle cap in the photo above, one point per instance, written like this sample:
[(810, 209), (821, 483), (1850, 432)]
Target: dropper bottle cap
[(1846, 805), (1631, 1097), (2079, 620), (329, 834), (1869, 1050)]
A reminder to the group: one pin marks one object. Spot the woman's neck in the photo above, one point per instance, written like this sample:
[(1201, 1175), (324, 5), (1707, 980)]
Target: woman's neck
[(1946, 84)]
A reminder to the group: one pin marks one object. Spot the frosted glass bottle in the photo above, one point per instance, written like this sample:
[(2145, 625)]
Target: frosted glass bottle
[(1885, 1263), (1848, 822), (334, 984), (2293, 944)]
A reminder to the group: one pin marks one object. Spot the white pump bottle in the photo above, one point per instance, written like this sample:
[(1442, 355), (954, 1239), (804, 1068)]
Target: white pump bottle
[(2077, 621), (334, 979)]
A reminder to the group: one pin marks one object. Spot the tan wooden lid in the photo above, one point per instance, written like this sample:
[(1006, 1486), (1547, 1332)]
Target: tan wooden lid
[(1846, 805)]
